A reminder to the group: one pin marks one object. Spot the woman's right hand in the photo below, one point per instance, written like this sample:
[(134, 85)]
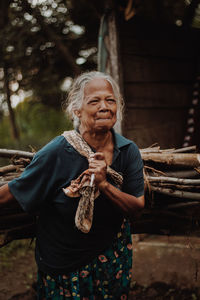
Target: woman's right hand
[(5, 195), (98, 167)]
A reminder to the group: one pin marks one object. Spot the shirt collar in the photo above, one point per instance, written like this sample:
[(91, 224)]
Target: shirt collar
[(119, 142)]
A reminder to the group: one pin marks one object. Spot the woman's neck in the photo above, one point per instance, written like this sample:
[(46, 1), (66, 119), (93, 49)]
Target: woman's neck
[(97, 140)]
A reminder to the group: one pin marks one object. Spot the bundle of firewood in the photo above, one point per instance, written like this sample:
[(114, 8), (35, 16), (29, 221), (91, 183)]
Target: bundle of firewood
[(14, 222), (173, 172), (172, 190), (172, 184)]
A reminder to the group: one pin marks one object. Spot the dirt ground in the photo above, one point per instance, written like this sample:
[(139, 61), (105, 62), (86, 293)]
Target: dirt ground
[(17, 271), (18, 277)]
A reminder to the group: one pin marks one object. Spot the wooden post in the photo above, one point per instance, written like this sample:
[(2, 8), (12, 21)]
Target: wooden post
[(113, 63)]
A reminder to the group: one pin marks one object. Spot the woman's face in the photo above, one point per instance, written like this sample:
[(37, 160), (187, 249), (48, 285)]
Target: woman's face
[(99, 108)]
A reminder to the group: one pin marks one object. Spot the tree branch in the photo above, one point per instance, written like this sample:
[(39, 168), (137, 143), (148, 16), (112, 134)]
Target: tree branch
[(15, 153), (64, 51)]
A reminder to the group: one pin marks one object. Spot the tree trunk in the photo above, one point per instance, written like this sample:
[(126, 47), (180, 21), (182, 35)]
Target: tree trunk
[(15, 131)]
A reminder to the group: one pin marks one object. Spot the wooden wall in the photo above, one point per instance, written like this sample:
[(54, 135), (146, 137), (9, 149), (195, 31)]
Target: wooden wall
[(159, 68)]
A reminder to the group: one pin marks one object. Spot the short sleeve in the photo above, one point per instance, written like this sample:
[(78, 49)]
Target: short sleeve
[(133, 180), (36, 183)]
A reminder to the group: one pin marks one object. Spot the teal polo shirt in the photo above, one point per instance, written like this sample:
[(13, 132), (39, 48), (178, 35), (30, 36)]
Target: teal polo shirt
[(60, 246)]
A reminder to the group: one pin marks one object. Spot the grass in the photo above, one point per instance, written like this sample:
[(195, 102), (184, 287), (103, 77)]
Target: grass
[(14, 250)]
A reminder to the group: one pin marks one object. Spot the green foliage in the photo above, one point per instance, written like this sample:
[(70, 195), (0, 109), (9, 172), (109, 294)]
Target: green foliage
[(14, 250), (37, 124), (40, 46)]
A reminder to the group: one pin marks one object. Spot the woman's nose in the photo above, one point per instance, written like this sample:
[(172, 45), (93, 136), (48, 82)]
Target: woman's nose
[(103, 104)]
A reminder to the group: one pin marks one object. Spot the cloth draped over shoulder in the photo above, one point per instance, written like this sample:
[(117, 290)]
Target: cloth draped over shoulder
[(82, 187)]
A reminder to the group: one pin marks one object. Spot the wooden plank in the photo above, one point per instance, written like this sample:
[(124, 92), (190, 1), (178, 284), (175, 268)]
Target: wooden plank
[(162, 126), (151, 118), (158, 48), (113, 64), (152, 95), (145, 69), (141, 28)]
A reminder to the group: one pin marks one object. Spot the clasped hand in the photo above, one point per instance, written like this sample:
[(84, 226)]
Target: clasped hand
[(98, 167)]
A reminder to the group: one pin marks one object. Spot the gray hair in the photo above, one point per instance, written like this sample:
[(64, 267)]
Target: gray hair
[(76, 94)]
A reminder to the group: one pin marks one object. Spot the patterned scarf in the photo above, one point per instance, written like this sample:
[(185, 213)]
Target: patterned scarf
[(82, 187)]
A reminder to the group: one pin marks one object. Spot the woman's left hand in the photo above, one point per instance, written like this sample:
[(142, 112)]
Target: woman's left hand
[(98, 167), (127, 203)]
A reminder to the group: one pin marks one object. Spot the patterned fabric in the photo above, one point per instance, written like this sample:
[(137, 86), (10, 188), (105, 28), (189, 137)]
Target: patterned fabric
[(106, 277), (76, 140), (88, 193)]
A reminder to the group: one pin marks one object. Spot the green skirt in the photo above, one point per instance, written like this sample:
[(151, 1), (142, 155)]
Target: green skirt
[(106, 277)]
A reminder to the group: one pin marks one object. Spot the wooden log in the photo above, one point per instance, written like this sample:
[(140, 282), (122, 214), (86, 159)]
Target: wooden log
[(185, 149), (176, 193), (182, 174), (15, 153), (3, 183), (178, 159), (174, 180), (156, 150), (173, 186), (10, 168), (21, 161), (10, 177), (183, 204), (171, 150), (150, 149)]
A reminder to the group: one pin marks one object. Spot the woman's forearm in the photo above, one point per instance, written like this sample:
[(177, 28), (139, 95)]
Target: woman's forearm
[(5, 195), (127, 203)]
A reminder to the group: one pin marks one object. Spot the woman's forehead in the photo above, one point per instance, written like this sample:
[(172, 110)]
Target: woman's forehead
[(98, 85)]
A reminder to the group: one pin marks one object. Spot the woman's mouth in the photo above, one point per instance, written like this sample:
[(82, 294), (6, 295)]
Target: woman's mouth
[(103, 119)]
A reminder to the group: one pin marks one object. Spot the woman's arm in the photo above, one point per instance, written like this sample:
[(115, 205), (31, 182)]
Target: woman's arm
[(126, 202), (5, 196)]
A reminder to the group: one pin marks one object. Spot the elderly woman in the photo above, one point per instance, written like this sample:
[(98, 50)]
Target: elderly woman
[(83, 185)]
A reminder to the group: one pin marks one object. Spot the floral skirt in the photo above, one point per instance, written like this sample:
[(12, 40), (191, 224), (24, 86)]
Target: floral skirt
[(106, 277)]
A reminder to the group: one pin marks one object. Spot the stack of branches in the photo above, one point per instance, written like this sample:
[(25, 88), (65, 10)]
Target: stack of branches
[(172, 192), (14, 222), (172, 185)]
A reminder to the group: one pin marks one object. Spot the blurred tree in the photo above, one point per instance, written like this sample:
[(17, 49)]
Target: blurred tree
[(37, 123), (5, 69), (42, 46)]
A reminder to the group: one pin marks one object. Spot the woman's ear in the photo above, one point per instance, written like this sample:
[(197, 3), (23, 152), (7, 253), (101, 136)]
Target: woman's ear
[(77, 113)]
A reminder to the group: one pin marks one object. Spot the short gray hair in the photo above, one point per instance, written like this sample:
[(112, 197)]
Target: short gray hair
[(76, 94)]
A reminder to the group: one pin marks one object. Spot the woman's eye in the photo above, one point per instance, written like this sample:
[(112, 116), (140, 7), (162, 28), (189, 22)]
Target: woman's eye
[(93, 101), (111, 100)]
